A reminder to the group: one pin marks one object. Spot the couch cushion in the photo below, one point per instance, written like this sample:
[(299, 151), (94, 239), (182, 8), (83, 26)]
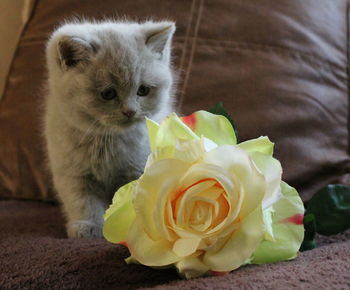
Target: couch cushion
[(36, 254), (280, 67)]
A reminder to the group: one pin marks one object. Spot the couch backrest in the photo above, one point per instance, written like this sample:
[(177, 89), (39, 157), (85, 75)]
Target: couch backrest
[(280, 68)]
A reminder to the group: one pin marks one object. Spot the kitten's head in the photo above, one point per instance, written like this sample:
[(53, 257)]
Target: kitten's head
[(110, 74)]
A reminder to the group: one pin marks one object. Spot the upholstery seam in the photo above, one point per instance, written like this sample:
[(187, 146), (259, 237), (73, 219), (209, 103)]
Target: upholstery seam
[(187, 37), (189, 66)]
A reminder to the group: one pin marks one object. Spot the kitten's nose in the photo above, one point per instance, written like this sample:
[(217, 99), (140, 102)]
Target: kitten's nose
[(128, 112)]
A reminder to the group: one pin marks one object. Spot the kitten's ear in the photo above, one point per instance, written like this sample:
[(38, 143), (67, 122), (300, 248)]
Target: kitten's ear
[(72, 50), (158, 36)]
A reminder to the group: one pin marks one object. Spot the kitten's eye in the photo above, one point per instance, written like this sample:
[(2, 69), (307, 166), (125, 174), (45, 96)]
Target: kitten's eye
[(143, 91), (109, 94)]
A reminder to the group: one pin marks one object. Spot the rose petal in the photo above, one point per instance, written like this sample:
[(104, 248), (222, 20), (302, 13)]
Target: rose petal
[(209, 144), (170, 130), (152, 128), (228, 182), (160, 217), (230, 209), (186, 247), (261, 144), (191, 267), (207, 172), (201, 223), (186, 195), (222, 213), (272, 170), (167, 152), (189, 151), (214, 127), (213, 192), (120, 215), (148, 251), (288, 236), (267, 214), (241, 167), (240, 246), (159, 179)]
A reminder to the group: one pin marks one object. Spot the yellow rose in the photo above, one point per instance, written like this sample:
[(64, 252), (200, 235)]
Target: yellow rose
[(204, 203)]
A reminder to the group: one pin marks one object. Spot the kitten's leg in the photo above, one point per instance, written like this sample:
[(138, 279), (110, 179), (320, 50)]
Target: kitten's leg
[(82, 206)]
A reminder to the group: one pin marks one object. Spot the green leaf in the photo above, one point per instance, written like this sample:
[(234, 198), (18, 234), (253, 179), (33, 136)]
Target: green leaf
[(331, 208), (309, 242), (219, 109)]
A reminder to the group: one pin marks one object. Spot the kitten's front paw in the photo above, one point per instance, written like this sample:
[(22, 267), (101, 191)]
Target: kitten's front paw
[(83, 229)]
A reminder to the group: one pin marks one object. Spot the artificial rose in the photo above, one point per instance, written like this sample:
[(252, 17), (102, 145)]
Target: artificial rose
[(204, 203)]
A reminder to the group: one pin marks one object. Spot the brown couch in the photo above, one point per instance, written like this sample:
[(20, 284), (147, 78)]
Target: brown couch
[(280, 67)]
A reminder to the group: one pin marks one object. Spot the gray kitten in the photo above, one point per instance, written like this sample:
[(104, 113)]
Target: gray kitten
[(104, 79)]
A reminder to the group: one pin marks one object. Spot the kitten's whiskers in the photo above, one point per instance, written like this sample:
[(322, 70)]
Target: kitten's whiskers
[(85, 136)]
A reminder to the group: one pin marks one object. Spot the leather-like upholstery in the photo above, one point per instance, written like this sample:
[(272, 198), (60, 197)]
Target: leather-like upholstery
[(279, 66)]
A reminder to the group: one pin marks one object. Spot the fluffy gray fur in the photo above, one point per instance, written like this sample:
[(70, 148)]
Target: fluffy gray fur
[(94, 145)]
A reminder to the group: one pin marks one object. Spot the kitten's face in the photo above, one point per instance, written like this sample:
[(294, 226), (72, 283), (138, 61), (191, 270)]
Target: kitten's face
[(113, 78)]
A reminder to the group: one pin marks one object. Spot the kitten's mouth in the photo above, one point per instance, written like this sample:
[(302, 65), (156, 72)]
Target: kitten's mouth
[(120, 124), (126, 123)]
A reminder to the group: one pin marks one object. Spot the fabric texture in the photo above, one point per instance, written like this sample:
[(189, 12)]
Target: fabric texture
[(280, 67), (35, 254)]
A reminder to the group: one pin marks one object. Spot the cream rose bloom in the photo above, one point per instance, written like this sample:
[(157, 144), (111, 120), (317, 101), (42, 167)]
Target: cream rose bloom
[(204, 203)]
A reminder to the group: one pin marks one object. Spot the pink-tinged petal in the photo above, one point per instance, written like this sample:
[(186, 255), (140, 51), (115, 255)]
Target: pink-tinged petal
[(123, 243), (214, 127), (216, 273), (297, 219), (190, 121), (289, 235)]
